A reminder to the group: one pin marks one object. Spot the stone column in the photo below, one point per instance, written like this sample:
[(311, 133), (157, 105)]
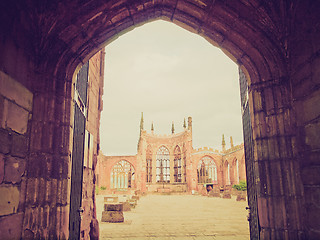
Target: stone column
[(275, 159), (49, 166)]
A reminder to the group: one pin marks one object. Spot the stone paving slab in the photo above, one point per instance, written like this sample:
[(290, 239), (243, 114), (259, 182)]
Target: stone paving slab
[(179, 217)]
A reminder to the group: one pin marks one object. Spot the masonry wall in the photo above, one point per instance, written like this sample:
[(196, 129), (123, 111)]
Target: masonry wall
[(15, 112), (305, 76), (94, 108)]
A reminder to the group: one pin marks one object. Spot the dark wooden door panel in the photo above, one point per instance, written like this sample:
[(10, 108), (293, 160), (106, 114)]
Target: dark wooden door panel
[(249, 158)]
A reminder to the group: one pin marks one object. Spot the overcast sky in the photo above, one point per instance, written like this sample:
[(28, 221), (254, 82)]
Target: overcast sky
[(168, 73)]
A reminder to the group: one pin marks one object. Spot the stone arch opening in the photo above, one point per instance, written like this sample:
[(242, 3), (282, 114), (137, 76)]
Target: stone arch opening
[(261, 64), (207, 170), (122, 175)]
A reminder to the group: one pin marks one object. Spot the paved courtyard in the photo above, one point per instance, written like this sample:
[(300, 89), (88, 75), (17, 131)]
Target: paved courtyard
[(179, 217)]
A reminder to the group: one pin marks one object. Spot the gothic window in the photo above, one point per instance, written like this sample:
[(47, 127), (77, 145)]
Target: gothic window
[(177, 164), (122, 175), (227, 172), (207, 171), (149, 165), (184, 163), (237, 171), (163, 165)]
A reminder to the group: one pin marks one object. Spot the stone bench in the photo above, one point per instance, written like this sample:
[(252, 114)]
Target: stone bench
[(111, 199), (113, 212), (241, 197), (126, 206), (214, 193), (226, 195)]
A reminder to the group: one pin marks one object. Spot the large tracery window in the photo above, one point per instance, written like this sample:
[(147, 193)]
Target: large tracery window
[(122, 175), (227, 173), (163, 165), (207, 171), (184, 163), (177, 164), (149, 165)]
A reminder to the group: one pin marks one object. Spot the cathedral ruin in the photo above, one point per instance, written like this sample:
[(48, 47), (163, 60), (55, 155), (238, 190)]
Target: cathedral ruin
[(169, 163)]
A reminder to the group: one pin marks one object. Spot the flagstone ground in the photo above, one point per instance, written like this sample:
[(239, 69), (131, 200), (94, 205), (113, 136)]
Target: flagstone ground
[(179, 217)]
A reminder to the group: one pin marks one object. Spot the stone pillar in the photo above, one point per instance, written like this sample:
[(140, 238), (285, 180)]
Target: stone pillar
[(49, 166), (275, 159)]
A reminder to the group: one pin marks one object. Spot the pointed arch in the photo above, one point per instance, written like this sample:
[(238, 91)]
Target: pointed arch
[(122, 175), (177, 164), (163, 165), (207, 170), (227, 173), (149, 164), (184, 163)]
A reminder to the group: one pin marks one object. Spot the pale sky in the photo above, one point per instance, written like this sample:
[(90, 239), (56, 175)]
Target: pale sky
[(168, 73)]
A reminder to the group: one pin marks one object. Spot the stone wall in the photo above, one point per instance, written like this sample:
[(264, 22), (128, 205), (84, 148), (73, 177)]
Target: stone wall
[(305, 75), (94, 106), (15, 112)]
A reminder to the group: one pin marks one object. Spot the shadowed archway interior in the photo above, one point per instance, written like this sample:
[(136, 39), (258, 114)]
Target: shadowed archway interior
[(275, 43)]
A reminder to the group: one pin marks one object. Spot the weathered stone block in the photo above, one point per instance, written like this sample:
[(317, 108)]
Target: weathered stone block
[(5, 141), (15, 91), (311, 175), (312, 132), (17, 118), (135, 197), (11, 226), (241, 197), (226, 195), (1, 167), (111, 199), (112, 216), (14, 169), (126, 206), (19, 145), (214, 193), (113, 207), (9, 200)]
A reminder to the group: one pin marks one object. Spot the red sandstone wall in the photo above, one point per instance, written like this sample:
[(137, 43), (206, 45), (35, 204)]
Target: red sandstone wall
[(15, 112), (95, 90)]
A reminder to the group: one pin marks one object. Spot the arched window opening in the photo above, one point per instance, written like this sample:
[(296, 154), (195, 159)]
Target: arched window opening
[(207, 171), (237, 171), (149, 165), (184, 163), (177, 164), (227, 173), (122, 175), (163, 165)]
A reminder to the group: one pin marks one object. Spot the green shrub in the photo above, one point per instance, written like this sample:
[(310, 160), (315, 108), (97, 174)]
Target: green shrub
[(97, 190), (103, 188), (242, 186)]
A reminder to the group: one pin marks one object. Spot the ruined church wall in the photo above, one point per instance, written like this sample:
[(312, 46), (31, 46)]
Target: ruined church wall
[(94, 108)]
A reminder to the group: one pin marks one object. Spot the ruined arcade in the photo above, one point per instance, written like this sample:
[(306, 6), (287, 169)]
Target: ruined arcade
[(44, 109)]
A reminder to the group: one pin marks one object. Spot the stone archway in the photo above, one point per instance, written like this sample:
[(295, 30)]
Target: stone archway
[(51, 40)]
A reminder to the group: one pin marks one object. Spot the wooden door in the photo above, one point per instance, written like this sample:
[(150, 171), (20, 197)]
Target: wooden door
[(249, 160), (78, 153)]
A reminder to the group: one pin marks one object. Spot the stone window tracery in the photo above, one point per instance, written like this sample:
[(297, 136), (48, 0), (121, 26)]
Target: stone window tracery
[(227, 173), (184, 163), (207, 171), (122, 175), (163, 165), (177, 164), (149, 165)]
